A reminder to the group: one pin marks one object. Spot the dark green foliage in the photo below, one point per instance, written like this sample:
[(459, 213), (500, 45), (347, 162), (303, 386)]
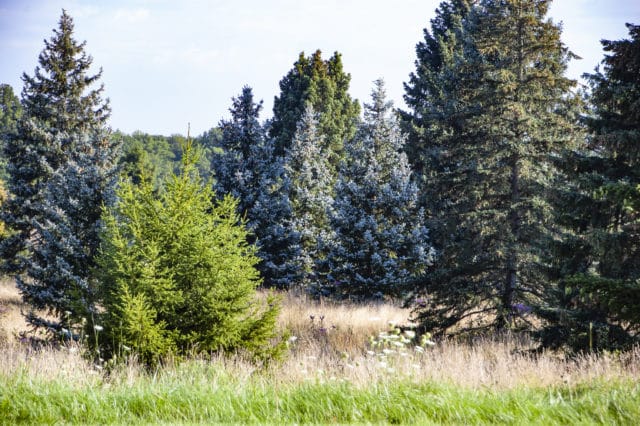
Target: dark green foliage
[(596, 302), (498, 110), (437, 87), (10, 112), (177, 274), (324, 85), (245, 166), (60, 166)]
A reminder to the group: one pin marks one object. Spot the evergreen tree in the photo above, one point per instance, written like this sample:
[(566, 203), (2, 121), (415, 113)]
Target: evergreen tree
[(310, 192), (59, 136), (10, 112), (381, 241), (247, 168), (177, 274), (61, 260), (488, 191), (324, 85), (435, 90), (596, 301)]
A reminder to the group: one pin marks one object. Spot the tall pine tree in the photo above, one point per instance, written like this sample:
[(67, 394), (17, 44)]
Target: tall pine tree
[(60, 162), (247, 168), (381, 241), (324, 85), (491, 166), (595, 302)]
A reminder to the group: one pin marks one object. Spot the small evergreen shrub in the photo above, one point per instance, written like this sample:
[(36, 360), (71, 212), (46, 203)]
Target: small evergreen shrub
[(177, 275)]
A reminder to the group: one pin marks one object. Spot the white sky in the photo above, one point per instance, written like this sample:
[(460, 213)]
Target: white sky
[(168, 62)]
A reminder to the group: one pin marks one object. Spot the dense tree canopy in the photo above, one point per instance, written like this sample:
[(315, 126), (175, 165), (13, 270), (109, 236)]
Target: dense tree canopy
[(496, 201)]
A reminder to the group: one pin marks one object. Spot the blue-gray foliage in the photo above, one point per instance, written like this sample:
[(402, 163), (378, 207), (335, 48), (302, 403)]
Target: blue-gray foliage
[(246, 167), (60, 164), (309, 174), (381, 241)]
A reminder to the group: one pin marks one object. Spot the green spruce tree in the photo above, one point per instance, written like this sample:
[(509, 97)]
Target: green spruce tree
[(435, 89), (324, 85), (595, 303), (177, 274), (491, 166)]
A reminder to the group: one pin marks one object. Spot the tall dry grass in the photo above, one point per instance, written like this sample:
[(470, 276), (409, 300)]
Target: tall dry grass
[(11, 319), (333, 346)]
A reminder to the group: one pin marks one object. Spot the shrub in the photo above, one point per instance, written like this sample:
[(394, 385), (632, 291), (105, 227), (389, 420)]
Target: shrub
[(177, 275)]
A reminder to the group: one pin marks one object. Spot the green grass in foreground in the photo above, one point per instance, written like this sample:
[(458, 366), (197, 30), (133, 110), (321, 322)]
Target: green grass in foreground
[(196, 394)]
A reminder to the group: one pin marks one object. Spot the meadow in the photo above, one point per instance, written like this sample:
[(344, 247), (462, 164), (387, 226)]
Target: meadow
[(342, 367)]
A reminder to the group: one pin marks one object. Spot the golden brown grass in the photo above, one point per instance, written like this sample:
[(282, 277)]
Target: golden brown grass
[(326, 325), (11, 320), (333, 346)]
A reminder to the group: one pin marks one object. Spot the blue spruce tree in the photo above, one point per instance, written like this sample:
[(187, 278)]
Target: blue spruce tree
[(381, 242), (60, 266), (60, 164), (246, 167), (310, 190)]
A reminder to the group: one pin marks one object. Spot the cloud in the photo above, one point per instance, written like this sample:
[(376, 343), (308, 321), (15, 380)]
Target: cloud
[(199, 56), (132, 15), (85, 11)]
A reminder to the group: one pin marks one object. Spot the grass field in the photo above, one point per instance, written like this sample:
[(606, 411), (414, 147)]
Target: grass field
[(332, 375)]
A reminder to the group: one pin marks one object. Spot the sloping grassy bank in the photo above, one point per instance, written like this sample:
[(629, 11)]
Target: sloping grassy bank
[(198, 392)]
